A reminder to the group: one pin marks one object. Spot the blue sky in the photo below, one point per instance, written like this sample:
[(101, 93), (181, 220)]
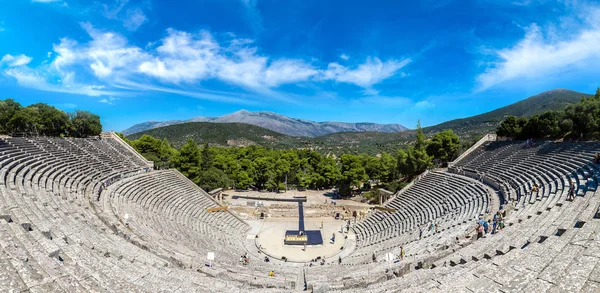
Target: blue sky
[(378, 61)]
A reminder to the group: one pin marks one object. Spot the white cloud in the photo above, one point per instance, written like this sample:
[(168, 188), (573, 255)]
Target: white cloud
[(108, 100), (422, 105), (31, 79), (108, 65), (344, 57), (14, 61), (45, 1), (134, 19), (543, 53), (111, 11), (373, 71)]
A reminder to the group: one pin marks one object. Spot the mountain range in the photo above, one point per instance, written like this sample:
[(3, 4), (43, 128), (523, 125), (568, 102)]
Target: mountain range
[(469, 129), (278, 123)]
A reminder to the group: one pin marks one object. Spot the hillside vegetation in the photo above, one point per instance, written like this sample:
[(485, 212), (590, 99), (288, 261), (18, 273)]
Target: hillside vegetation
[(278, 123), (221, 134), (468, 129), (576, 121), (553, 100), (262, 168)]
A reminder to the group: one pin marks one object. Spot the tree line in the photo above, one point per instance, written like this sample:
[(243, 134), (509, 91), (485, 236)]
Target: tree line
[(580, 120), (263, 168), (43, 119)]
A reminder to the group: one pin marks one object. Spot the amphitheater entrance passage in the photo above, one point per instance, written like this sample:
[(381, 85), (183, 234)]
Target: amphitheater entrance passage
[(294, 237)]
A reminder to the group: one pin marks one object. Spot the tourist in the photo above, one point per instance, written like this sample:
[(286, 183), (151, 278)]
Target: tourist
[(495, 224), (267, 259), (340, 260), (321, 224), (402, 252), (485, 227), (535, 190), (374, 258), (304, 246), (333, 238), (597, 158), (272, 274), (479, 231), (420, 233), (571, 195), (437, 227)]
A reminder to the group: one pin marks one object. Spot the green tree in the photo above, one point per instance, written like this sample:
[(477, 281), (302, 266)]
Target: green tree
[(84, 124), (26, 120), (8, 109), (444, 146), (509, 127), (388, 167), (187, 160), (206, 158), (52, 122), (415, 159), (213, 178), (352, 174)]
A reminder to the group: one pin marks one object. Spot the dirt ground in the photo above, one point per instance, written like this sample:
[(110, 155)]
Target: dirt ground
[(320, 203)]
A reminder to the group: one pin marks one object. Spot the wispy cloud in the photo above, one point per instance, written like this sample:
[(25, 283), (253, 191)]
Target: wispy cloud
[(108, 65), (113, 9), (253, 15), (45, 1), (545, 52), (344, 57), (372, 72), (134, 19), (108, 100), (14, 61)]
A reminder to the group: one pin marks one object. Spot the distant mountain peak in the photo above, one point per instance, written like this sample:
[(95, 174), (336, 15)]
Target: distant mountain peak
[(278, 123)]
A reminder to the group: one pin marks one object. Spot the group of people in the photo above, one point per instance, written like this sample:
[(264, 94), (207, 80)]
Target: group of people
[(529, 143), (320, 258), (491, 226)]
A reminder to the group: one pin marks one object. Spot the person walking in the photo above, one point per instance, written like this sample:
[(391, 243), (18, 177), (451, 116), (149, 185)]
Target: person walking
[(479, 231)]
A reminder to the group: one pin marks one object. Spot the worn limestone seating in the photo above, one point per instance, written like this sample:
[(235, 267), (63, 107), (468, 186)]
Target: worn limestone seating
[(55, 236), (549, 244), (85, 215), (437, 197)]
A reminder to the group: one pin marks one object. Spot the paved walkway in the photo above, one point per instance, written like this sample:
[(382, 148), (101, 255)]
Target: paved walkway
[(271, 237)]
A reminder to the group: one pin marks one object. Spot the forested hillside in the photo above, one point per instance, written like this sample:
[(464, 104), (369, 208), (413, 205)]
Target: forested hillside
[(468, 129), (576, 121), (264, 168)]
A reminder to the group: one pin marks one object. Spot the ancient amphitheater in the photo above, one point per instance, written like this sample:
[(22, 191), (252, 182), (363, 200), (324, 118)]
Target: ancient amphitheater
[(89, 215)]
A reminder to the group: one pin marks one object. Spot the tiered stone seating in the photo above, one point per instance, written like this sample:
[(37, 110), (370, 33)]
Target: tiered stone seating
[(436, 198), (52, 238), (548, 243), (88, 215)]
